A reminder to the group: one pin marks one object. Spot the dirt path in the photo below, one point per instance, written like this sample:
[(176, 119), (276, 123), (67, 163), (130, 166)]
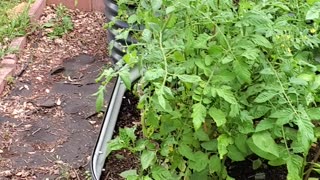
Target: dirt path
[(48, 124)]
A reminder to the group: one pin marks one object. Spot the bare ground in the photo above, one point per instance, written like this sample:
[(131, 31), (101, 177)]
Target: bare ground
[(48, 124)]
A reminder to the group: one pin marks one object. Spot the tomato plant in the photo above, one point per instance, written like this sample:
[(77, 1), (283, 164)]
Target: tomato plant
[(223, 79)]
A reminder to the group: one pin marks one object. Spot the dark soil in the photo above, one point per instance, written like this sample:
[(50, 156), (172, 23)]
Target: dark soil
[(243, 170), (120, 161)]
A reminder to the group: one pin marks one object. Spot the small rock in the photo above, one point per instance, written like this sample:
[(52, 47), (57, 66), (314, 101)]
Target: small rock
[(1, 151), (57, 70), (47, 103), (47, 91), (92, 122), (5, 173), (58, 102)]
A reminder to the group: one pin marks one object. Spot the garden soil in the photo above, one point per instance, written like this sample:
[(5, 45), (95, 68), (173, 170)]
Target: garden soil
[(48, 122)]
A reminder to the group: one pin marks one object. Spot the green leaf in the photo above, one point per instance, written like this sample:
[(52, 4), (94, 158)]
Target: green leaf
[(235, 154), (186, 151), (131, 172), (147, 158), (283, 116), (201, 41), (153, 74), (132, 19), (189, 78), (256, 164), (146, 35), (294, 166), (223, 142), (265, 125), (160, 173), (199, 113), (125, 77), (218, 116), (156, 4), (100, 98), (227, 95), (200, 161), (242, 71), (227, 59), (264, 96), (314, 113), (114, 145), (264, 141), (260, 152), (210, 145), (314, 12), (261, 41), (215, 164), (251, 54), (170, 9), (201, 135), (241, 143)]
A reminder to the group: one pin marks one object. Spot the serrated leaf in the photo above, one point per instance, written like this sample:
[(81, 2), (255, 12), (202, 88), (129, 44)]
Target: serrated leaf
[(267, 71), (227, 95), (218, 116), (251, 54), (199, 113), (147, 158), (153, 74), (200, 161), (146, 35), (314, 12), (265, 125), (131, 172), (283, 116), (160, 173), (223, 142), (215, 164), (201, 41), (265, 96), (314, 113), (201, 135), (156, 4), (186, 151), (210, 145), (298, 81), (261, 41), (170, 9), (189, 78), (132, 19), (242, 71), (227, 59), (125, 77), (294, 166)]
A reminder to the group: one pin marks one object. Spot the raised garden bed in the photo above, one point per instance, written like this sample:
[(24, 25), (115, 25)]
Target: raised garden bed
[(224, 85)]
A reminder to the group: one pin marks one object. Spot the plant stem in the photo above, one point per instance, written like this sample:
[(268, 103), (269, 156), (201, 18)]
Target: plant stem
[(316, 157)]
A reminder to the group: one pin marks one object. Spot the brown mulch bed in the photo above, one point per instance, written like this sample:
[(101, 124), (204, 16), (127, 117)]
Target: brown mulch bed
[(48, 124)]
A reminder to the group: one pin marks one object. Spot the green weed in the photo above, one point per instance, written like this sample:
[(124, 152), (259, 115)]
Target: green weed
[(12, 27), (61, 25)]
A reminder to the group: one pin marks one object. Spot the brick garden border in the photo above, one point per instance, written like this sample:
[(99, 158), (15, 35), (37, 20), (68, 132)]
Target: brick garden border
[(8, 64)]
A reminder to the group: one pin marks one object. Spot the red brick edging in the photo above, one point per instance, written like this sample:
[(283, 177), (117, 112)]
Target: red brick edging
[(8, 64)]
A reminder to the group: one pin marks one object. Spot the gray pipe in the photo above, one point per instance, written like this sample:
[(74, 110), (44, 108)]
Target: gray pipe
[(100, 152)]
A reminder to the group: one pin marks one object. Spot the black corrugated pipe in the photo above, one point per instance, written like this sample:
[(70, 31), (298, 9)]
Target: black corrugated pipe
[(118, 50)]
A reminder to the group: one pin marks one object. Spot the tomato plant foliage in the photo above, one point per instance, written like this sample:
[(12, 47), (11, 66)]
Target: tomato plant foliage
[(223, 80)]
